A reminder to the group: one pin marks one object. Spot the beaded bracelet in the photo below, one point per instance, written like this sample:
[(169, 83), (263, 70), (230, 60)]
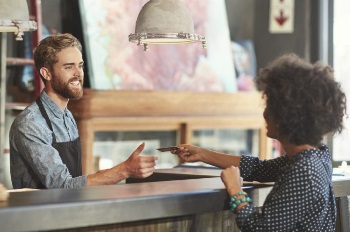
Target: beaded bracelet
[(234, 203), (233, 198)]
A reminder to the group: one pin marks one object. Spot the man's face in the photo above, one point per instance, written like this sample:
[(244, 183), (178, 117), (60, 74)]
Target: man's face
[(68, 74)]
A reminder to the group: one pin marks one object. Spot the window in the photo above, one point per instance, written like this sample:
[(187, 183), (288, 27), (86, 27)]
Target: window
[(341, 58)]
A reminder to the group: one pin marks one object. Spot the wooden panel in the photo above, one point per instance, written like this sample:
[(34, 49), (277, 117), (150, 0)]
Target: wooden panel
[(86, 132), (220, 221), (164, 103), (135, 123), (165, 110)]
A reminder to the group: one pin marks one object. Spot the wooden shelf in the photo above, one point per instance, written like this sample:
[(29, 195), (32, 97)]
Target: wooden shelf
[(15, 106), (19, 61), (113, 103)]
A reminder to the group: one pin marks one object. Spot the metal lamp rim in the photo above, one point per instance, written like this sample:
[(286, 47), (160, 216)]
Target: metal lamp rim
[(185, 37)]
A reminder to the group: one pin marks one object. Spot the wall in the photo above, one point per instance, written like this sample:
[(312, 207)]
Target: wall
[(249, 19)]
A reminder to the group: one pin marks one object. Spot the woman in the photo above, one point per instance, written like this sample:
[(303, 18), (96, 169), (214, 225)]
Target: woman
[(303, 103)]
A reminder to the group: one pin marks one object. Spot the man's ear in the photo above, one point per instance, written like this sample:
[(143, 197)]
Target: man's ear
[(45, 72)]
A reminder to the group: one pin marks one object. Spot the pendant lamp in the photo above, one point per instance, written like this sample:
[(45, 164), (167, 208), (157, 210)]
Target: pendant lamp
[(14, 17), (165, 22)]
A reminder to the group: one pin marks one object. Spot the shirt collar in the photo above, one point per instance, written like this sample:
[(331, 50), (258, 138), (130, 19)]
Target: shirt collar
[(50, 105), (322, 149)]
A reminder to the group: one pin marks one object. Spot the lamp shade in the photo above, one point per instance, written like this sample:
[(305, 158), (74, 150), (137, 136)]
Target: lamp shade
[(165, 22), (14, 17)]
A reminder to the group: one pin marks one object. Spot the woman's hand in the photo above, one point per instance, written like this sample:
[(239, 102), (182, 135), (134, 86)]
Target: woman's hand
[(189, 153), (232, 180)]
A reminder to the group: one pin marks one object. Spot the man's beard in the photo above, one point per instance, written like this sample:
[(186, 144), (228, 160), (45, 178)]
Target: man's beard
[(63, 88)]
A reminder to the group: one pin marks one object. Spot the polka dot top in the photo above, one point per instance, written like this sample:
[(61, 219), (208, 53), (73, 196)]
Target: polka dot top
[(302, 198)]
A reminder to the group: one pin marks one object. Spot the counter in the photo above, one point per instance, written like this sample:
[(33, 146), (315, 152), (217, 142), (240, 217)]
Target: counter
[(179, 204)]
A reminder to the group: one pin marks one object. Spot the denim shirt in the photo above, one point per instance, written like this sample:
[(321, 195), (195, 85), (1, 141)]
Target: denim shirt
[(33, 160)]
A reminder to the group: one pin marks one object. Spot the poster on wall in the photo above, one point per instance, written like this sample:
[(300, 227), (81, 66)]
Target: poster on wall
[(245, 64), (115, 63), (281, 16)]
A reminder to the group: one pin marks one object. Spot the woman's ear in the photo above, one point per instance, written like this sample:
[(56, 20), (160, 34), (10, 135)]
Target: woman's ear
[(45, 73)]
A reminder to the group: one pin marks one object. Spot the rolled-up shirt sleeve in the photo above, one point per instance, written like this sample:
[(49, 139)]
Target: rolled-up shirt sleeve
[(289, 202), (254, 169), (301, 199), (31, 147)]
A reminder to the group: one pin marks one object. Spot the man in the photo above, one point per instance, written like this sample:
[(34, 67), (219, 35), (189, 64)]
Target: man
[(45, 149)]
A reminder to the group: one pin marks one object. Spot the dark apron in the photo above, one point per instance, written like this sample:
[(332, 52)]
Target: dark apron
[(70, 152)]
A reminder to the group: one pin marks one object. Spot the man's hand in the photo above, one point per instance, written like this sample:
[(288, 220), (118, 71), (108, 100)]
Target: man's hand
[(139, 166)]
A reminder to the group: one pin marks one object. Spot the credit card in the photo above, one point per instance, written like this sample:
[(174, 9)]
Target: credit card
[(164, 149)]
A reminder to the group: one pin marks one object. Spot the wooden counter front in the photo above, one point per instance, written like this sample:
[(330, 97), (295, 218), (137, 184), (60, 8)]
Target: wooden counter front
[(174, 205), (154, 205)]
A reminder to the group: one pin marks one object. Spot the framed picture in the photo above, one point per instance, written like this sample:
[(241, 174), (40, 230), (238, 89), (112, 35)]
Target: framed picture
[(245, 64), (116, 63)]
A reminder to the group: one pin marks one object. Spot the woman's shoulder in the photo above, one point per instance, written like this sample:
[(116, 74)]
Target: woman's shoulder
[(314, 162)]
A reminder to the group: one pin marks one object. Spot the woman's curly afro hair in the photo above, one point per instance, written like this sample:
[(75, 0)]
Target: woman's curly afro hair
[(303, 99)]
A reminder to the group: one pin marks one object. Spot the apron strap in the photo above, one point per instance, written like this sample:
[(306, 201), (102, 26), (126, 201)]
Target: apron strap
[(44, 114)]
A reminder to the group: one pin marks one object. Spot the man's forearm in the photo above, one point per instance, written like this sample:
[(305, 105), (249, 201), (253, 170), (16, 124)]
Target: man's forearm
[(108, 176)]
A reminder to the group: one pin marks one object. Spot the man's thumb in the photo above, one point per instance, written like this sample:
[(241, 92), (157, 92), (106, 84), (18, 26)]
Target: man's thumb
[(139, 149)]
